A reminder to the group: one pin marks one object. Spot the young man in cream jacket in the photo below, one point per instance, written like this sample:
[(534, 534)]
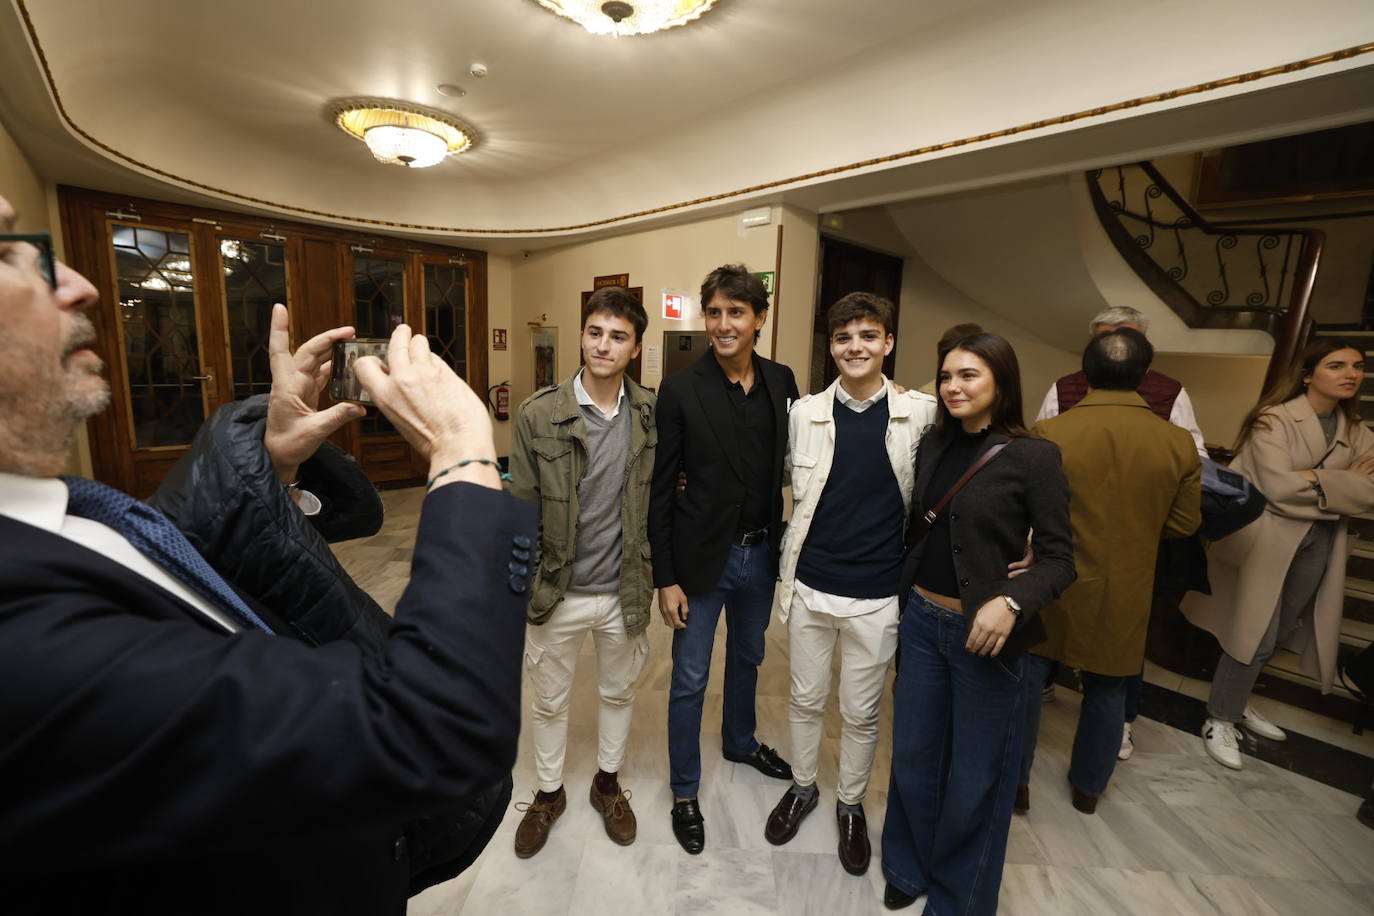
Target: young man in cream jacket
[(851, 453)]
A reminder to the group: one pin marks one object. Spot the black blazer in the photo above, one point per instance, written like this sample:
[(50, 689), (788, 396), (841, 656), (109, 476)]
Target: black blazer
[(690, 532), (155, 764), (1022, 489)]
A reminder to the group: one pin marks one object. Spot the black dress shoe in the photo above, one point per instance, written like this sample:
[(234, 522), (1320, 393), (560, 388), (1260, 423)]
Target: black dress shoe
[(854, 848), (787, 816), (765, 760), (1082, 800), (689, 826), (894, 899)]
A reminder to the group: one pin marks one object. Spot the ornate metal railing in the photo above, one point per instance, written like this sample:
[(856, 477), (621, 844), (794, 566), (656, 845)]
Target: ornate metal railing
[(1214, 275)]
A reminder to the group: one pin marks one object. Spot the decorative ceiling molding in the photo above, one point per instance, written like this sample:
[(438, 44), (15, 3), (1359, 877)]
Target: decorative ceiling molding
[(836, 171)]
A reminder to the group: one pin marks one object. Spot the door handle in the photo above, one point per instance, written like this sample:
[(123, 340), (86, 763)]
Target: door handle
[(203, 378)]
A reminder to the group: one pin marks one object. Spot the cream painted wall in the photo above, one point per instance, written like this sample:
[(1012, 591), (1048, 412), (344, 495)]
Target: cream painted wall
[(546, 286), (1222, 388), (499, 361)]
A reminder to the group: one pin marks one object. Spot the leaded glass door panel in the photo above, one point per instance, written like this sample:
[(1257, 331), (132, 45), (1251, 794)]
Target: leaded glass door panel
[(254, 276), (446, 310), (166, 383)]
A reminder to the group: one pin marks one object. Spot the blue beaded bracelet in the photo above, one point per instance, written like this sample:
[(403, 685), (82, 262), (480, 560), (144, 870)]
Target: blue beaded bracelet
[(464, 463)]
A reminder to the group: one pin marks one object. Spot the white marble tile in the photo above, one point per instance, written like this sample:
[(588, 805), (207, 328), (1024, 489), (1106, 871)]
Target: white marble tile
[(815, 885), (1175, 833)]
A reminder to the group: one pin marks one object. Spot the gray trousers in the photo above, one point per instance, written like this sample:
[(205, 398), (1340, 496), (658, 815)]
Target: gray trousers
[(1233, 681)]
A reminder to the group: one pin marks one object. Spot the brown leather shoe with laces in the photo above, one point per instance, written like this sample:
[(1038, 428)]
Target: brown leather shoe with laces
[(615, 811), (534, 826)]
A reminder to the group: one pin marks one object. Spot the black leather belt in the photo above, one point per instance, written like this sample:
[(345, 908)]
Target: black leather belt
[(750, 538)]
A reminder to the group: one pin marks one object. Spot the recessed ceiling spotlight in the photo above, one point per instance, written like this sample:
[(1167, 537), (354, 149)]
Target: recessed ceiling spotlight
[(402, 133), (452, 90), (478, 70), (635, 17)]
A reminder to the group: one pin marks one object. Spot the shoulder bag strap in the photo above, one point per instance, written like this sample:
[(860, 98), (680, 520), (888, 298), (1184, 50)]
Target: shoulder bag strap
[(933, 513)]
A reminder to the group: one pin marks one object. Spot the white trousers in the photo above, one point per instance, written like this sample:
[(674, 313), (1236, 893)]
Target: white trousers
[(551, 652), (867, 643)]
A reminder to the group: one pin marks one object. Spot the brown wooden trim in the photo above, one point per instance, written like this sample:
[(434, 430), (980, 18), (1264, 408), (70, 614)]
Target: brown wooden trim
[(319, 292)]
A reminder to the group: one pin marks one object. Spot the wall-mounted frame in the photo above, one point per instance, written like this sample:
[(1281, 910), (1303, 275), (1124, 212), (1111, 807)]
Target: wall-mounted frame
[(545, 343)]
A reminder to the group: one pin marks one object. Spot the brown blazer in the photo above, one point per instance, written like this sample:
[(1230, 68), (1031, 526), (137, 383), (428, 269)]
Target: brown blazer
[(1247, 568), (1133, 478)]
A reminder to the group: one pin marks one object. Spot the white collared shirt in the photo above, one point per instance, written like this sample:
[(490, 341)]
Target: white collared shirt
[(585, 400), (42, 503), (848, 400)]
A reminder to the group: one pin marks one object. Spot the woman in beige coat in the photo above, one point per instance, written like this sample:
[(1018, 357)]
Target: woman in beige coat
[(1307, 450)]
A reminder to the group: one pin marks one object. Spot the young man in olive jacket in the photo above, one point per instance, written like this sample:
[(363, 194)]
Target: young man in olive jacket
[(723, 422), (583, 450)]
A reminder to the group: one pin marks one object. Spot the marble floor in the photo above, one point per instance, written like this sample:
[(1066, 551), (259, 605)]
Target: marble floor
[(1175, 834)]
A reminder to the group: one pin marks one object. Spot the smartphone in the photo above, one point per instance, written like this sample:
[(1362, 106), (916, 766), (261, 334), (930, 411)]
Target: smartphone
[(343, 379)]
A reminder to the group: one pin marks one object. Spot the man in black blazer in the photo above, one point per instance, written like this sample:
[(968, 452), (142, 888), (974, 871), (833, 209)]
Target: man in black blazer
[(162, 755), (722, 422)]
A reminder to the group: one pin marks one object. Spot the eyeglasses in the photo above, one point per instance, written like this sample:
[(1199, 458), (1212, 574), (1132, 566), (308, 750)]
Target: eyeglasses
[(42, 241)]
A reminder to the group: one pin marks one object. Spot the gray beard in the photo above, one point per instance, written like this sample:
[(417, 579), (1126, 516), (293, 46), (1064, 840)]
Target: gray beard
[(36, 437)]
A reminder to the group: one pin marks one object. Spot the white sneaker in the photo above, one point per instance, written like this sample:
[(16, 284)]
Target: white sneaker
[(1261, 726), (1127, 745), (1222, 742)]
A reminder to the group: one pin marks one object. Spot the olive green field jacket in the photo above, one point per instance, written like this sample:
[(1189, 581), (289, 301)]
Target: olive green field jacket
[(548, 458)]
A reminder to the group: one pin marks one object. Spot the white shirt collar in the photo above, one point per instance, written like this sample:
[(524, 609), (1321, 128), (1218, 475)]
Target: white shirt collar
[(37, 501), (848, 400), (585, 400)]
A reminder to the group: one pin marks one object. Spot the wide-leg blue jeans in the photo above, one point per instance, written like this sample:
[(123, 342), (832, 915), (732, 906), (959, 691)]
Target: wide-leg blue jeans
[(745, 591), (956, 744)]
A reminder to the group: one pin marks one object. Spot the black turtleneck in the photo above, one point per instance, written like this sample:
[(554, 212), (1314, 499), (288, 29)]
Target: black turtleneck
[(936, 570)]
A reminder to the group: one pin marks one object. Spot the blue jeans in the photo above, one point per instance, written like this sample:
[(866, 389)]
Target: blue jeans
[(956, 741), (1133, 685), (1098, 737), (745, 590)]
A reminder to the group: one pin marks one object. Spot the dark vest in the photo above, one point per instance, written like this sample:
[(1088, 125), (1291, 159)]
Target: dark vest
[(1158, 390)]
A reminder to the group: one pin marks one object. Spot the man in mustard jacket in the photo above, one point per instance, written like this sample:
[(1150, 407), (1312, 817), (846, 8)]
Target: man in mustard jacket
[(1133, 478)]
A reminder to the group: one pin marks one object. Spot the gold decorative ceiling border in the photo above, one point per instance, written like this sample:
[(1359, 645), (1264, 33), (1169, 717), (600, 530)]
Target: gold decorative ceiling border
[(1250, 77)]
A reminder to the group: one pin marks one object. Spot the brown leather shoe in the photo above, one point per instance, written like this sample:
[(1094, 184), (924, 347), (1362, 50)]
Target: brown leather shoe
[(1082, 800), (1022, 803), (854, 847), (787, 817), (615, 811), (534, 826)]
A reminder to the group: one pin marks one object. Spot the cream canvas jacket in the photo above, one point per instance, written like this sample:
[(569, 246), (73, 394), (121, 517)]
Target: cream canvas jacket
[(811, 448)]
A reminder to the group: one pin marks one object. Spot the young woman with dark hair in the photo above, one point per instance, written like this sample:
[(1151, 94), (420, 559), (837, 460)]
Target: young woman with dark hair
[(957, 711), (1306, 448)]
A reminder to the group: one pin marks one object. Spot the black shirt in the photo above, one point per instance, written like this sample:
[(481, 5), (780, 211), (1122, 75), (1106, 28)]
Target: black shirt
[(755, 435), (936, 571)]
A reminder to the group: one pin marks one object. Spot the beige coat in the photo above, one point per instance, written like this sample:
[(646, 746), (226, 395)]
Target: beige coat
[(1133, 478), (1247, 568)]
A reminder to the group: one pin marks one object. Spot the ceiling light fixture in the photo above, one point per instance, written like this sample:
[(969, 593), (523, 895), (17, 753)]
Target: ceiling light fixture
[(401, 133), (638, 17)]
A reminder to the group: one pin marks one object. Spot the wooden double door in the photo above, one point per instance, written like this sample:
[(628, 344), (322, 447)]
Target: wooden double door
[(186, 300)]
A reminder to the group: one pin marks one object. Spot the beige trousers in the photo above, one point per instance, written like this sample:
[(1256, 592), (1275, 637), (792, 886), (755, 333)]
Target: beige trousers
[(867, 643), (551, 651)]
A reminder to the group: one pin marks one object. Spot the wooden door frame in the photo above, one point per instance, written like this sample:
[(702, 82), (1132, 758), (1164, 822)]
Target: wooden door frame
[(83, 214)]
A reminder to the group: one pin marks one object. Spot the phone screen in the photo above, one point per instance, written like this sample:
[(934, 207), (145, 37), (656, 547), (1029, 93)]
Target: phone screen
[(343, 378)]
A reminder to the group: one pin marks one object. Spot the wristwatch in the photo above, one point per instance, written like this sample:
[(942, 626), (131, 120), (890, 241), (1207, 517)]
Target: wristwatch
[(1012, 604)]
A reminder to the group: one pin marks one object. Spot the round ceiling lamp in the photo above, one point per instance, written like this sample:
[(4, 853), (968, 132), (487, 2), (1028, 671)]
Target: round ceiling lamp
[(400, 133), (628, 17)]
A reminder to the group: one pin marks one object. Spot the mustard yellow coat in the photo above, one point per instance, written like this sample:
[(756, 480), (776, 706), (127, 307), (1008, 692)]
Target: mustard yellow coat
[(1133, 478), (1247, 568)]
